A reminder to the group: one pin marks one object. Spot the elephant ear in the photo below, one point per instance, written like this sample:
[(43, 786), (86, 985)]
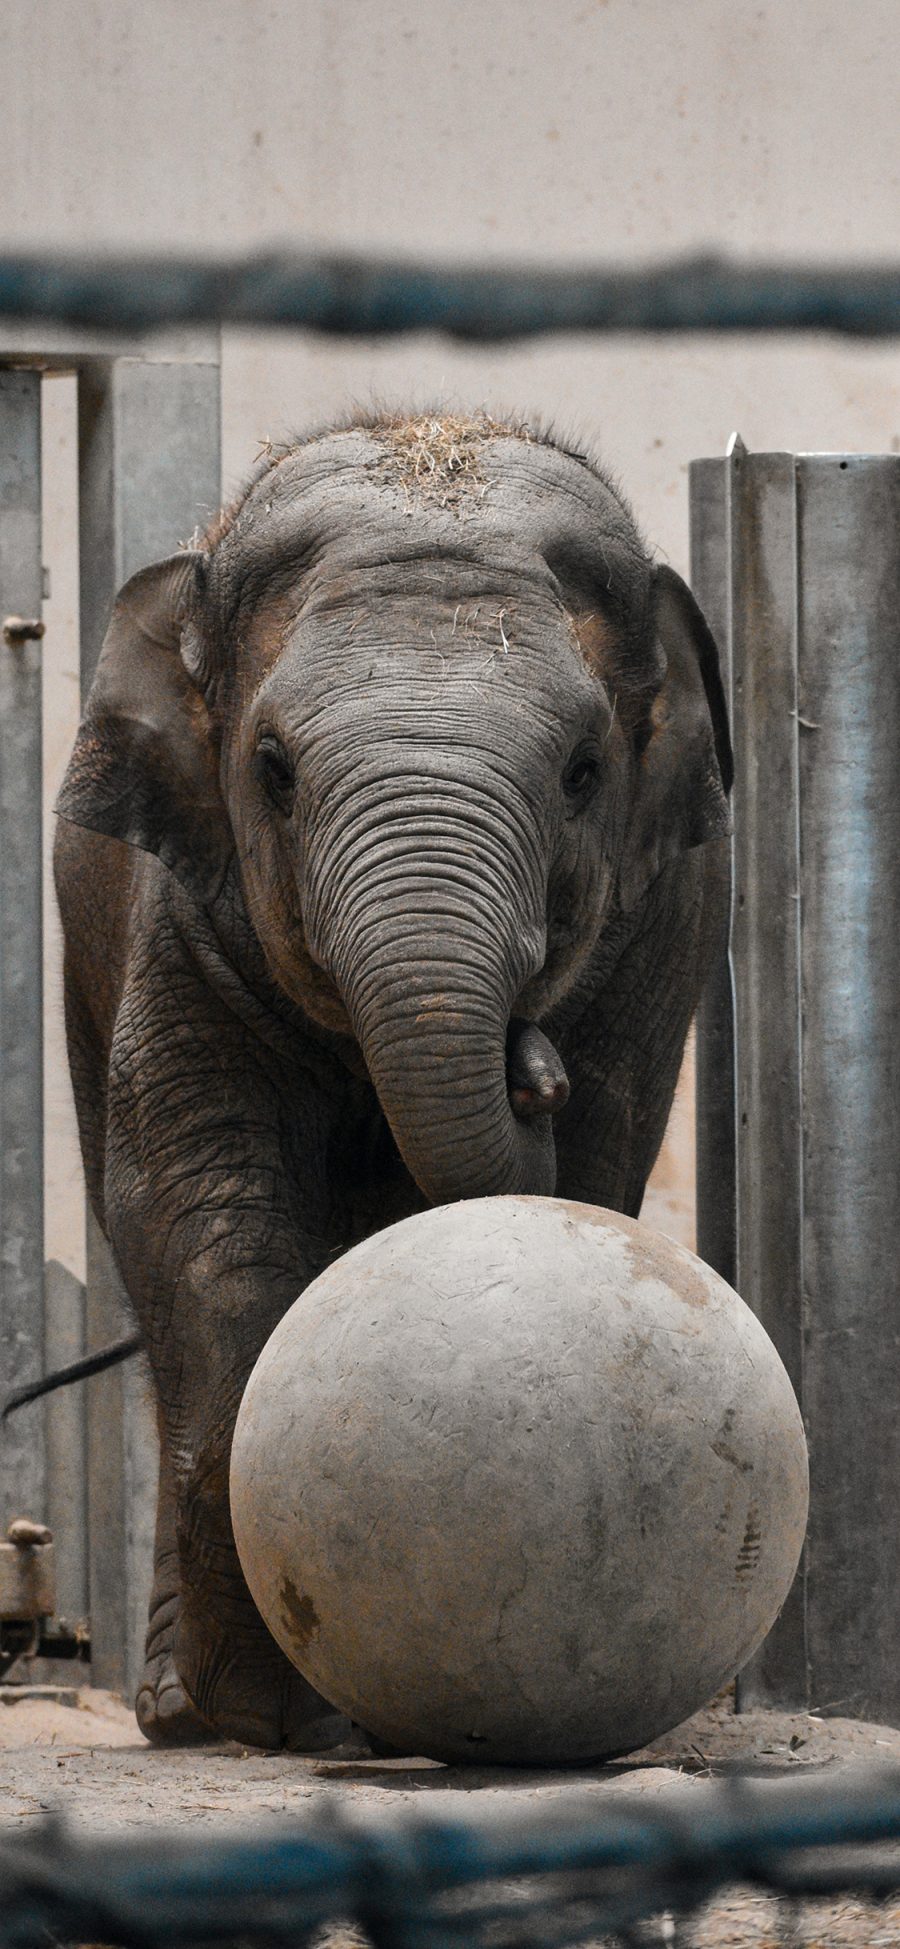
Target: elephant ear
[(684, 765), (145, 764)]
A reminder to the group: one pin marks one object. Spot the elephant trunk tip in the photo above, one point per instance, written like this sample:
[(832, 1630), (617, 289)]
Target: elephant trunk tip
[(535, 1077)]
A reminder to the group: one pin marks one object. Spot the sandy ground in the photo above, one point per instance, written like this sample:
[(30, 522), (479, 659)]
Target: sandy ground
[(79, 1753)]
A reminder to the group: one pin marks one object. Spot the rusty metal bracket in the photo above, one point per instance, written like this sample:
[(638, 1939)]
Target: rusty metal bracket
[(22, 629), (29, 1627), (27, 1589), (27, 1581)]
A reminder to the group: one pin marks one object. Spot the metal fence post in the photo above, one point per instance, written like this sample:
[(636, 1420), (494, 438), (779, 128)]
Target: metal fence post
[(23, 1486), (807, 548), (149, 473), (848, 530)]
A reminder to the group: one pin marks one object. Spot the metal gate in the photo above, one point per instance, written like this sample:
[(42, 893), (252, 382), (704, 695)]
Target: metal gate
[(84, 1462)]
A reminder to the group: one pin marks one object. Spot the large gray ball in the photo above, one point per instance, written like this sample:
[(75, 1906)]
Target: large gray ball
[(519, 1480)]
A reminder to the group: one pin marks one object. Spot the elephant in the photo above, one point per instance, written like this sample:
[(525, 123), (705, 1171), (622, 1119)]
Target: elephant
[(391, 857)]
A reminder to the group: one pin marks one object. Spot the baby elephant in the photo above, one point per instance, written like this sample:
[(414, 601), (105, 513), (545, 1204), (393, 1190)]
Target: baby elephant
[(391, 858)]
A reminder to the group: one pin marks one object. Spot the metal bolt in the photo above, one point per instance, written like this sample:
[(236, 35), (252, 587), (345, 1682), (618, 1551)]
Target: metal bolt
[(22, 629)]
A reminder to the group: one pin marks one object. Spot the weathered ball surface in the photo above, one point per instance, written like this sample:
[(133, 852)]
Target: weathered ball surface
[(519, 1480)]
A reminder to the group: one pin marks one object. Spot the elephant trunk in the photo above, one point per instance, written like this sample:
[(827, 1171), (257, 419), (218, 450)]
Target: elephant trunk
[(438, 934)]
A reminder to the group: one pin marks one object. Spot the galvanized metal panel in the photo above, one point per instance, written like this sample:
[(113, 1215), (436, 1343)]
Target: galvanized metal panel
[(22, 1476), (66, 348), (765, 917), (109, 1436), (714, 1069), (813, 546), (849, 695), (149, 473), (760, 516), (66, 1446)]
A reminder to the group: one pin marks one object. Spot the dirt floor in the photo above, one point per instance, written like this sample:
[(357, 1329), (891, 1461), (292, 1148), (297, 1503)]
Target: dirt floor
[(79, 1753)]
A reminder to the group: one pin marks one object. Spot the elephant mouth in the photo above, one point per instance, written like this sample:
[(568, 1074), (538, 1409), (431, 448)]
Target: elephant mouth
[(536, 1081)]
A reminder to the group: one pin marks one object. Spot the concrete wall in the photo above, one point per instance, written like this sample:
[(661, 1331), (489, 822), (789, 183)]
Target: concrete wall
[(589, 129)]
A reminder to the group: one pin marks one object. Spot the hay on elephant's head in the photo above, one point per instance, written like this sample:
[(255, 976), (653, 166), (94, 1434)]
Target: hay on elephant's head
[(437, 456)]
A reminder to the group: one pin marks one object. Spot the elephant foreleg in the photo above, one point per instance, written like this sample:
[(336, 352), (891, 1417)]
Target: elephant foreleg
[(227, 1661), (164, 1712), (213, 1668)]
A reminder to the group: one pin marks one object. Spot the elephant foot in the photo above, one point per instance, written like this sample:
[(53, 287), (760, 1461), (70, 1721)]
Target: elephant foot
[(163, 1710), (246, 1690)]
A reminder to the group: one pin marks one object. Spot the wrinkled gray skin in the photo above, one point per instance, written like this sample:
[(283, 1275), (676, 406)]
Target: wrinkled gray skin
[(372, 783)]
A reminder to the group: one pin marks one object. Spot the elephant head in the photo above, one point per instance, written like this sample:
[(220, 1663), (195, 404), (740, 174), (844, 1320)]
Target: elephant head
[(424, 692)]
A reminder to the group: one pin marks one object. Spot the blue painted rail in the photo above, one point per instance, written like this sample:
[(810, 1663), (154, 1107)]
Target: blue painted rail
[(567, 1872), (371, 296)]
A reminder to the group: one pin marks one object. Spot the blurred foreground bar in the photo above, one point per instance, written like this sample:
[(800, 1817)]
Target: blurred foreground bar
[(372, 296), (572, 1870)]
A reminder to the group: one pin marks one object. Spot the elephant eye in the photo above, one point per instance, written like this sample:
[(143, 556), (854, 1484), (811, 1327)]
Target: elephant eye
[(580, 778), (275, 772)]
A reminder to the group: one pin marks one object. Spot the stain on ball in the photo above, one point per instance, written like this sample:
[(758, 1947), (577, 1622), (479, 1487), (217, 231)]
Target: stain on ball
[(518, 1480)]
